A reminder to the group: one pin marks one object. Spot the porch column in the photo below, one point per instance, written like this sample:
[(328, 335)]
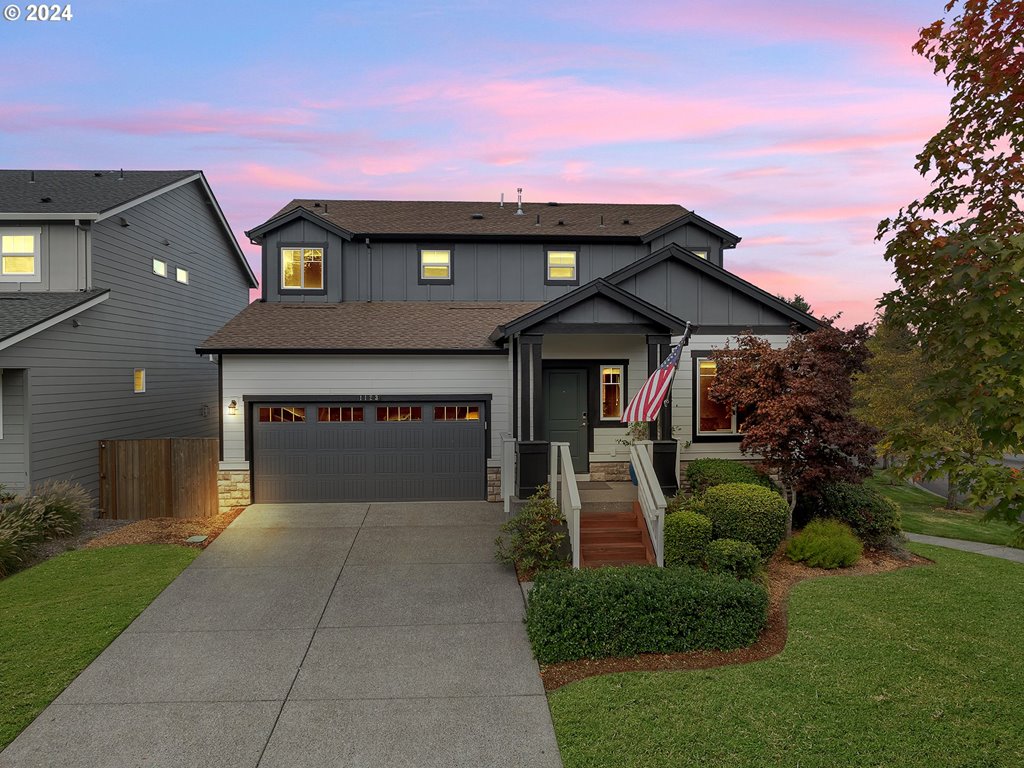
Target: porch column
[(655, 354), (531, 396)]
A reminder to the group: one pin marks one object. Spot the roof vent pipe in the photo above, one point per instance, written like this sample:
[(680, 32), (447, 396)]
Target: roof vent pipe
[(501, 204), (519, 210), (121, 177), (31, 177), (538, 221)]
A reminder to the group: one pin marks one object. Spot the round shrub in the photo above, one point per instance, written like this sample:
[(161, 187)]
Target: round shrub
[(705, 473), (687, 535), (872, 516), (746, 512), (736, 558), (532, 541), (825, 544)]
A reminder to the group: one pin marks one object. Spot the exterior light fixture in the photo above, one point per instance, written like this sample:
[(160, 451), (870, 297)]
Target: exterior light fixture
[(233, 408)]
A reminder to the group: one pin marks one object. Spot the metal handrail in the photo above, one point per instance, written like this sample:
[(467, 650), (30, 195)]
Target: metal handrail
[(567, 494), (652, 500)]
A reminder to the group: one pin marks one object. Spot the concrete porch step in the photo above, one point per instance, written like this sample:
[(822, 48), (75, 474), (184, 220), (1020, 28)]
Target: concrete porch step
[(606, 506)]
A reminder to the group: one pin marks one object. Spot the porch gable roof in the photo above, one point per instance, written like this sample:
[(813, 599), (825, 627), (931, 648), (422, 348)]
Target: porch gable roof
[(594, 290)]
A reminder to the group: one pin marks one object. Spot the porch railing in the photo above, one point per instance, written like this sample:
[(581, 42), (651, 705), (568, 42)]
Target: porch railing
[(652, 500), (508, 471), (562, 483)]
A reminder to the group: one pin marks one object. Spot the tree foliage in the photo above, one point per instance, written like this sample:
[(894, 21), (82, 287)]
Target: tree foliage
[(799, 400), (797, 302), (958, 252)]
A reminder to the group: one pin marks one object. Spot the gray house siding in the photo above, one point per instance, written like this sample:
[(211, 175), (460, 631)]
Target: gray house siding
[(13, 454), (63, 258), (692, 237), (81, 379)]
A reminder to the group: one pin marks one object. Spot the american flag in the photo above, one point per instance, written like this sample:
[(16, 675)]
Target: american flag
[(648, 400)]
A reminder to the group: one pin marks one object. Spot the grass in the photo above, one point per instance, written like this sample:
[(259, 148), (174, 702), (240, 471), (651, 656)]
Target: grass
[(878, 671), (59, 615), (925, 512)]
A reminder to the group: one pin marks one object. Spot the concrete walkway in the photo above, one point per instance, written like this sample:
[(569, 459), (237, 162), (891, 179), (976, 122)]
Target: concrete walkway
[(992, 550), (317, 635)]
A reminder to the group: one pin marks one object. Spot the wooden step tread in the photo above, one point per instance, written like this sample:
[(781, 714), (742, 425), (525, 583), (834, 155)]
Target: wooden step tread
[(593, 536)]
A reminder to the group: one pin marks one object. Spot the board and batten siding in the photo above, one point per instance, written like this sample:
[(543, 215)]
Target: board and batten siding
[(386, 376), (80, 378), (13, 453), (63, 258)]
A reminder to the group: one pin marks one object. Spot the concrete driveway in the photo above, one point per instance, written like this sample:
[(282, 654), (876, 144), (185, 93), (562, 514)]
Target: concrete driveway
[(317, 635)]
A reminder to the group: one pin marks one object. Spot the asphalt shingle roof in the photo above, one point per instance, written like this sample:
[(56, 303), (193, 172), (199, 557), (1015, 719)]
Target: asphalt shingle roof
[(78, 191), (354, 326), (21, 311), (425, 217)]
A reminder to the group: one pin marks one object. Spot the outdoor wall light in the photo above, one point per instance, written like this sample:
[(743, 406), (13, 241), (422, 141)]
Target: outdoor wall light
[(233, 408)]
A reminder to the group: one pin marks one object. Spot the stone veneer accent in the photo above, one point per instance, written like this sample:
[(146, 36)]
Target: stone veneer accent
[(233, 488), (494, 483), (610, 471)]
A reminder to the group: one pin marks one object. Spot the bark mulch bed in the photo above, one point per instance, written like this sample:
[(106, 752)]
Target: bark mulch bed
[(781, 575), (167, 530)]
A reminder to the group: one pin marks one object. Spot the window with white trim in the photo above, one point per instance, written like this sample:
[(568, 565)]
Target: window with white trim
[(19, 254), (181, 275), (713, 417), (139, 380), (160, 267), (611, 392)]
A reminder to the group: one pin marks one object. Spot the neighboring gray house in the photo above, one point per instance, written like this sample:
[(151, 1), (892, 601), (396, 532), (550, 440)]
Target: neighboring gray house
[(396, 342), (108, 280)]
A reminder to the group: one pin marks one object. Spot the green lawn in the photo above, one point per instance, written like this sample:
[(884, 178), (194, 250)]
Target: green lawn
[(921, 667), (56, 617), (924, 512)]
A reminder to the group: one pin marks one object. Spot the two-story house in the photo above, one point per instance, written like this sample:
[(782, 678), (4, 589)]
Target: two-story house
[(108, 281), (397, 342)]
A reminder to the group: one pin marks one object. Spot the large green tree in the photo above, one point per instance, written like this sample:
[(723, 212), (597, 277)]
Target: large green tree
[(958, 252)]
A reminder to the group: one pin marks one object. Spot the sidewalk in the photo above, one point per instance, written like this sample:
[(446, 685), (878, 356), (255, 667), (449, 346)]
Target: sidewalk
[(992, 550)]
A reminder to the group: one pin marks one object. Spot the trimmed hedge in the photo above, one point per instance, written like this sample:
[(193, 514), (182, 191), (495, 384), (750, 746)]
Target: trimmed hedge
[(706, 473), (873, 517), (825, 544), (687, 535), (746, 512), (739, 559), (602, 612)]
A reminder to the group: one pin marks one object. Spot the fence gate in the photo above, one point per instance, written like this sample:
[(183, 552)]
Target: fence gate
[(163, 477)]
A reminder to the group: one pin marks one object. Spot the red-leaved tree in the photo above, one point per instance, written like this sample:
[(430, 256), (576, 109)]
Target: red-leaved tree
[(799, 400)]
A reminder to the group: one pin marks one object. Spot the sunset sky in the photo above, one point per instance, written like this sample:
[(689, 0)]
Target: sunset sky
[(793, 123)]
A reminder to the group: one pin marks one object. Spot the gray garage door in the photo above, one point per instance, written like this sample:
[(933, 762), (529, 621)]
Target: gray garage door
[(376, 451)]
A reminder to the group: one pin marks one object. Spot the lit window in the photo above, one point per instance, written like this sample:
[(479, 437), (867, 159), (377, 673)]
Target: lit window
[(281, 414), (435, 265), (713, 417), (340, 414), (561, 266), (302, 268), (400, 413), (701, 254), (159, 267), (181, 275), (139, 380), (456, 413), (19, 255), (611, 392)]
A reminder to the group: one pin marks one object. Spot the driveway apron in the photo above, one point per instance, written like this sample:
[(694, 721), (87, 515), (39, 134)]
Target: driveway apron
[(317, 635)]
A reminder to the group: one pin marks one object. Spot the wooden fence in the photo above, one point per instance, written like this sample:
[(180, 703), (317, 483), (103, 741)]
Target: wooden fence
[(165, 477)]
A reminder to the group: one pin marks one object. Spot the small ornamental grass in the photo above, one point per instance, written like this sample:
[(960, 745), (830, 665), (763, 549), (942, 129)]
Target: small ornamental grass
[(530, 540), (603, 612), (739, 559), (706, 473), (825, 544), (746, 512), (687, 536), (54, 510)]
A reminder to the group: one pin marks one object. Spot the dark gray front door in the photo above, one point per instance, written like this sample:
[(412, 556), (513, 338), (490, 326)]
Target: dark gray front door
[(369, 451), (565, 412)]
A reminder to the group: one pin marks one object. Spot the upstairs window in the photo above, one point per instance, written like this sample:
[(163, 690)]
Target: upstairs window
[(561, 268), (611, 392), (302, 269), (19, 255), (139, 380), (160, 267), (435, 265), (181, 275), (699, 252)]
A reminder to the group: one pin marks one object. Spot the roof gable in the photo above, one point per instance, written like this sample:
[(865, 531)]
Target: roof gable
[(81, 194), (289, 215)]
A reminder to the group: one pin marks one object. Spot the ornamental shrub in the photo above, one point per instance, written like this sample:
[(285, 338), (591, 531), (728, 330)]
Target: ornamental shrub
[(687, 535), (22, 526), (746, 512), (872, 516), (706, 473), (825, 544), (66, 504), (601, 612), (739, 559), (534, 542)]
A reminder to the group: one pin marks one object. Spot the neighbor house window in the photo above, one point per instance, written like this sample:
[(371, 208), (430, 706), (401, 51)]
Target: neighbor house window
[(701, 254), (302, 268), (278, 414), (159, 267), (456, 413), (181, 275), (400, 413), (340, 414), (435, 264), (611, 392), (713, 417), (561, 267), (19, 254), (139, 380)]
